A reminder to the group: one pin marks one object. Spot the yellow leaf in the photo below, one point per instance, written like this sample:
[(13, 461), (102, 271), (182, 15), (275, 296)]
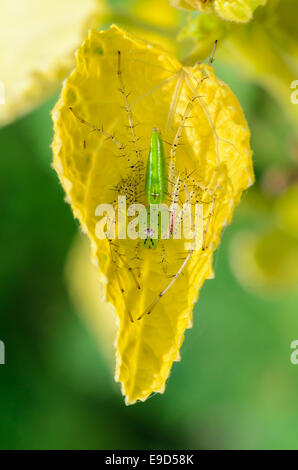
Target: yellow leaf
[(156, 21), (153, 20), (239, 11), (185, 4), (156, 12), (125, 87), (286, 211), (266, 50), (88, 296), (265, 262), (37, 44)]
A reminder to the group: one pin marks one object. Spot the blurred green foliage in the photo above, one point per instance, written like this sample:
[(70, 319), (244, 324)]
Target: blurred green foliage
[(235, 387)]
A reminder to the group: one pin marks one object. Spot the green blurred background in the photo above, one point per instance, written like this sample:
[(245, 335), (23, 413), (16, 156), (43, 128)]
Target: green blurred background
[(235, 386)]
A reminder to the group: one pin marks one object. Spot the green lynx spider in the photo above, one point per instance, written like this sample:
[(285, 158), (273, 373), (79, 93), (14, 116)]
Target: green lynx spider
[(160, 182)]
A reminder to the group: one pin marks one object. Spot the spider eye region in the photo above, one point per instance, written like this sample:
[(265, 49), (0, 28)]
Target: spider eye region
[(149, 232)]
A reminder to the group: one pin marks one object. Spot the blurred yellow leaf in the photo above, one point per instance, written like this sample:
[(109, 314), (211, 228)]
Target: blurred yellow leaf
[(125, 86), (266, 49), (287, 211), (239, 11), (153, 20), (156, 12), (204, 30), (37, 44), (266, 262), (185, 4), (88, 296)]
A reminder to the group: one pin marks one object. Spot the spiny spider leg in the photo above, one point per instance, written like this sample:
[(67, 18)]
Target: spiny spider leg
[(130, 269), (179, 131), (186, 260), (211, 212), (122, 258), (97, 129), (174, 146), (129, 113), (122, 290), (180, 270), (163, 292), (163, 261), (173, 204), (138, 259)]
